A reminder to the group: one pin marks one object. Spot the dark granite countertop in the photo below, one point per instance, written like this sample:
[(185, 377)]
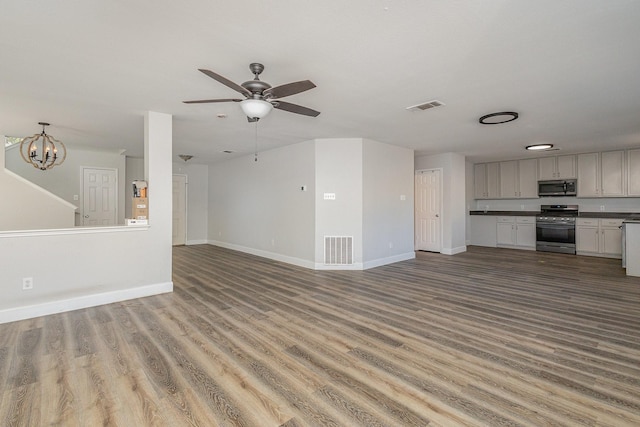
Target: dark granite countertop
[(506, 213), (613, 215), (635, 216)]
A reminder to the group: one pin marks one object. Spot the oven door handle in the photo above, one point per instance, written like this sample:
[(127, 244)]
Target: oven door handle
[(555, 226)]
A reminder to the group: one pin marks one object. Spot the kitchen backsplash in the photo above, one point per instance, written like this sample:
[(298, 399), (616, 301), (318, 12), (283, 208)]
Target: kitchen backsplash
[(627, 204)]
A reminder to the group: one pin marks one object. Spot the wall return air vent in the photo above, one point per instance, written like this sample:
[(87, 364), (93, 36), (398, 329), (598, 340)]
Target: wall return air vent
[(426, 105), (338, 250)]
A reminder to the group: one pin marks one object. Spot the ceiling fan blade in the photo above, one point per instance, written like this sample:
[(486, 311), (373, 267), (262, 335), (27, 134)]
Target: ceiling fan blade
[(289, 89), (226, 82), (206, 101), (294, 108)]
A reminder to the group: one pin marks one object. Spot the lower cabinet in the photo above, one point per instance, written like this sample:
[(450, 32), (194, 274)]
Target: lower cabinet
[(516, 232), (599, 237)]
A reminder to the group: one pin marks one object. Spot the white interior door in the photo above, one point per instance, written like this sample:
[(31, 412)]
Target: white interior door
[(99, 196), (179, 210), (428, 224)]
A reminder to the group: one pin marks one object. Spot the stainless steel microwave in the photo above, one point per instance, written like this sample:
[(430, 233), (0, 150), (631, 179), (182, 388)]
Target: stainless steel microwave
[(558, 188)]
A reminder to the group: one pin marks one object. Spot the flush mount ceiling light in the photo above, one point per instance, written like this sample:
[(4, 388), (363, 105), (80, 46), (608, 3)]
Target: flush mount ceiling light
[(539, 147), (256, 108), (41, 150), (497, 118)]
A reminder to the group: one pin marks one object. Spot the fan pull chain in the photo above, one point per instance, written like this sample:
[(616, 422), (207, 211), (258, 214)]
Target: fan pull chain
[(256, 152)]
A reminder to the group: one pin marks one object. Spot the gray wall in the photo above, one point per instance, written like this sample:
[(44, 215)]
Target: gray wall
[(258, 207), (388, 220)]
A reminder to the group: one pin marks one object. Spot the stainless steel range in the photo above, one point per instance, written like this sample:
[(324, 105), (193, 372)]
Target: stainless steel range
[(556, 228)]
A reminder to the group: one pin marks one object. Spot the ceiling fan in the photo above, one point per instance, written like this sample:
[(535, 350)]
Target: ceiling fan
[(260, 97)]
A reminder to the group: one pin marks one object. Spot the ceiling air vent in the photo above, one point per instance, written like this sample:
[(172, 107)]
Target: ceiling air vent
[(426, 105)]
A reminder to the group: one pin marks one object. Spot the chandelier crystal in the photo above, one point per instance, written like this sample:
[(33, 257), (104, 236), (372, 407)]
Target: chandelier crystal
[(42, 151)]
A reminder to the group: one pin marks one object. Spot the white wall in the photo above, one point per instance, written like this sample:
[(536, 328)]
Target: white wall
[(80, 268), (258, 207), (65, 180), (339, 170), (26, 206), (454, 198), (387, 218), (197, 200)]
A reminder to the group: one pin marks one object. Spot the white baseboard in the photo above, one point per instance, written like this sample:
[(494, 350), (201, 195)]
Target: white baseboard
[(265, 254), (389, 260), (355, 266), (197, 242), (453, 251), (85, 301)]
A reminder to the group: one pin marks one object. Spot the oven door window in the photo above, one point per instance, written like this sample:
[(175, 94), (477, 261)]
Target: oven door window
[(556, 233)]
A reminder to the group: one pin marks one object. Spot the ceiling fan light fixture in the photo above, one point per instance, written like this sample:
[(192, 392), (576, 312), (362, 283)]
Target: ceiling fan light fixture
[(498, 118), (256, 108), (539, 147)]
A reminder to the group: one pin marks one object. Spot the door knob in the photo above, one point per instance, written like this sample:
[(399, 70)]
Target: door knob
[(437, 216), (86, 216)]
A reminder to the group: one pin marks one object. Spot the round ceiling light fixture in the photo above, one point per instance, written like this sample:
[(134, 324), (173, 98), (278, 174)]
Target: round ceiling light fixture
[(539, 147), (256, 108), (497, 118)]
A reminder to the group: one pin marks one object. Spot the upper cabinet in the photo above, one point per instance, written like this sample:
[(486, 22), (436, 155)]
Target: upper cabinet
[(633, 173), (518, 179), (604, 174), (601, 174), (557, 167), (486, 181)]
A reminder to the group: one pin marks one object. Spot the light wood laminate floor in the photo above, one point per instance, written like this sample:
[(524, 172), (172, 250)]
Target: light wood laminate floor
[(490, 337)]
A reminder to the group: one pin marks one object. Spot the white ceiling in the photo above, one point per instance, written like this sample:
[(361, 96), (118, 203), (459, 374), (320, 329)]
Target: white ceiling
[(93, 67)]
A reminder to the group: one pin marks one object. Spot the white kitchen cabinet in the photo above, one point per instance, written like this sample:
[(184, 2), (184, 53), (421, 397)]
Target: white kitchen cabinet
[(516, 231), (486, 180), (599, 237), (557, 167), (519, 179), (633, 173), (601, 174)]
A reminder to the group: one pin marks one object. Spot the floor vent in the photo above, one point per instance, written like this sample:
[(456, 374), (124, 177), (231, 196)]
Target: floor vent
[(426, 105), (338, 250)]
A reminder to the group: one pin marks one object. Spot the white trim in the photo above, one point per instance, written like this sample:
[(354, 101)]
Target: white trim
[(85, 301), (265, 254), (76, 230), (389, 260), (355, 266), (453, 251), (197, 242)]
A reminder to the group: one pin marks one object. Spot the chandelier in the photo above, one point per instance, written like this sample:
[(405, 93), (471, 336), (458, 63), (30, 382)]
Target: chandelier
[(41, 150)]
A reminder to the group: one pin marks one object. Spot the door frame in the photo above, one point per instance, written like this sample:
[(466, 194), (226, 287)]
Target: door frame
[(186, 205), (116, 194), (440, 201)]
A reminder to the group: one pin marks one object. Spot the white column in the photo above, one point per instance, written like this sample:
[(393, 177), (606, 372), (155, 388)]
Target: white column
[(158, 149)]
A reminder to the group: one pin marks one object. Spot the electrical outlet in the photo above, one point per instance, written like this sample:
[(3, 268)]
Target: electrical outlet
[(329, 196), (602, 208), (27, 283)]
